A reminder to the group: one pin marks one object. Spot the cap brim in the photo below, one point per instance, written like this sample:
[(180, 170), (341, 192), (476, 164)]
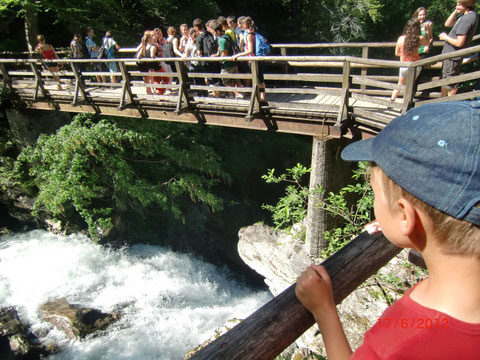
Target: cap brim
[(359, 151)]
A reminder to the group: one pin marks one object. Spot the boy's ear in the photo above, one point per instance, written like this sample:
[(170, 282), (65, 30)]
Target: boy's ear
[(407, 217)]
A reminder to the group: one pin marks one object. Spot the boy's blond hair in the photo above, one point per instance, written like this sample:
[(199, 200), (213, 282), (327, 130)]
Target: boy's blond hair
[(456, 237)]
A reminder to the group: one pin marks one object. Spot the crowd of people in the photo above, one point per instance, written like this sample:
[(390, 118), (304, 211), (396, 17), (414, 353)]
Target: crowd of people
[(416, 39), (222, 37)]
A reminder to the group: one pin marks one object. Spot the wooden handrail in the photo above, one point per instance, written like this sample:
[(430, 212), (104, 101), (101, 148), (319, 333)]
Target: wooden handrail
[(280, 46), (273, 327)]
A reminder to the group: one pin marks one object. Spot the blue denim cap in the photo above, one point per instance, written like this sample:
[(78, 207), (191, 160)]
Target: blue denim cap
[(433, 152)]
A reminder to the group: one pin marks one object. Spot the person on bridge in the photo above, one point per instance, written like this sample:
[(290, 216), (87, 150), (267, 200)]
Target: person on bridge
[(203, 66), (93, 52), (250, 51), (110, 45), (48, 52), (407, 49), (426, 31), (425, 176), (185, 35), (148, 50), (464, 21), (225, 49)]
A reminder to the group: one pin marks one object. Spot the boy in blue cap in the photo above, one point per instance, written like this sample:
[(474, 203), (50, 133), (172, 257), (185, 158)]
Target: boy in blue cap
[(426, 179)]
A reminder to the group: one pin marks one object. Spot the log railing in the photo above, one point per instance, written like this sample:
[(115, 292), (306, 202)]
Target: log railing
[(273, 327)]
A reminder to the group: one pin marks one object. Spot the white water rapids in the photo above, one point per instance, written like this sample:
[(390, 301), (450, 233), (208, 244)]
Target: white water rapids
[(169, 302)]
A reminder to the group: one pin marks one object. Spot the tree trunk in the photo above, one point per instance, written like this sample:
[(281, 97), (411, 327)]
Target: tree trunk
[(31, 24)]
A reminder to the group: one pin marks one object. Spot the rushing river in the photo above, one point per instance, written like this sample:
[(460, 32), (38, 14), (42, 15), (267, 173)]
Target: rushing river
[(170, 302)]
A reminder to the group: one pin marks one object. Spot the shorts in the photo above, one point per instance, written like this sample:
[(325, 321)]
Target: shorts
[(404, 71), (97, 66), (451, 68), (112, 66), (232, 69)]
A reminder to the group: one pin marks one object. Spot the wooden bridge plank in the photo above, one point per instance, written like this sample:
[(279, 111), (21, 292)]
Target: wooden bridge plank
[(378, 101)]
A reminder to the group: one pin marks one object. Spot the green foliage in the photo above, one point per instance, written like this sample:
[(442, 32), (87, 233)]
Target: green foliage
[(353, 205), (354, 215), (292, 207), (8, 153), (127, 19), (98, 168)]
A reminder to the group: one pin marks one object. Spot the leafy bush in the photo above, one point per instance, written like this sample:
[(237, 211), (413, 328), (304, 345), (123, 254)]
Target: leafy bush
[(98, 168), (292, 207), (353, 204), (355, 215)]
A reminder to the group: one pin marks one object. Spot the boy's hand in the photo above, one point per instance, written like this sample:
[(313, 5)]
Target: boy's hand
[(314, 290)]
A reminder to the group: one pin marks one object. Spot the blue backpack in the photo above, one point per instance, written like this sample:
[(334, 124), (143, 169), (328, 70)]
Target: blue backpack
[(262, 47)]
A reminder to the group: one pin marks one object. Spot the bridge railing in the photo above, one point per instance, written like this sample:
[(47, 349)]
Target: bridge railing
[(347, 80)]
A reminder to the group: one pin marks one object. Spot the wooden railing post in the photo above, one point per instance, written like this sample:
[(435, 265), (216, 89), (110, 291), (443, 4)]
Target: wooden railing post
[(255, 106), (6, 79), (38, 81), (283, 52), (126, 89), (364, 70), (273, 327), (344, 101), (79, 84), (182, 90), (409, 89)]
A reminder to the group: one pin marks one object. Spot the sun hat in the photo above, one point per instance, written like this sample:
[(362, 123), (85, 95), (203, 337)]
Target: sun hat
[(433, 152)]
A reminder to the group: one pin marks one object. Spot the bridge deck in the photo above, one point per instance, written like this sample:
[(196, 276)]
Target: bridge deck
[(313, 108)]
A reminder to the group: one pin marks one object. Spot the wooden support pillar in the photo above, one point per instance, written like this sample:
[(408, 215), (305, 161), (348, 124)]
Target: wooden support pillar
[(316, 219), (331, 173)]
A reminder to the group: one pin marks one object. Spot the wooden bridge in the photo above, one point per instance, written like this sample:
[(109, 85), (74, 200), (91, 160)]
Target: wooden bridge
[(315, 95)]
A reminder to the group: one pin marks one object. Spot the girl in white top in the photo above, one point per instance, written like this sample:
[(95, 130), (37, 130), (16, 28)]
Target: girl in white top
[(191, 49), (184, 31)]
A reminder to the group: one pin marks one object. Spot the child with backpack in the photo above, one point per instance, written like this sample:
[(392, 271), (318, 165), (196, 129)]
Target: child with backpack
[(251, 50), (109, 45), (226, 48)]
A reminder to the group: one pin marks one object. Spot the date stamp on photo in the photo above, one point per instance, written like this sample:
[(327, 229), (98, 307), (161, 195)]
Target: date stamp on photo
[(414, 323)]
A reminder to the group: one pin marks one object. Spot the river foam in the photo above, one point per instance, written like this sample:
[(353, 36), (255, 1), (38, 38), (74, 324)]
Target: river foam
[(169, 302)]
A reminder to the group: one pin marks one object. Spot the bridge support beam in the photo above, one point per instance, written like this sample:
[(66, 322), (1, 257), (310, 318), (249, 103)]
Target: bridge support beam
[(331, 173)]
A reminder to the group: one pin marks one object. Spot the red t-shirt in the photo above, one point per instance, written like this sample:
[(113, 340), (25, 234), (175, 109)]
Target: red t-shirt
[(408, 330)]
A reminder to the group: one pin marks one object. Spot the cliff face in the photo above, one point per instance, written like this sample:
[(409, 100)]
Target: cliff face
[(276, 255), (281, 258)]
